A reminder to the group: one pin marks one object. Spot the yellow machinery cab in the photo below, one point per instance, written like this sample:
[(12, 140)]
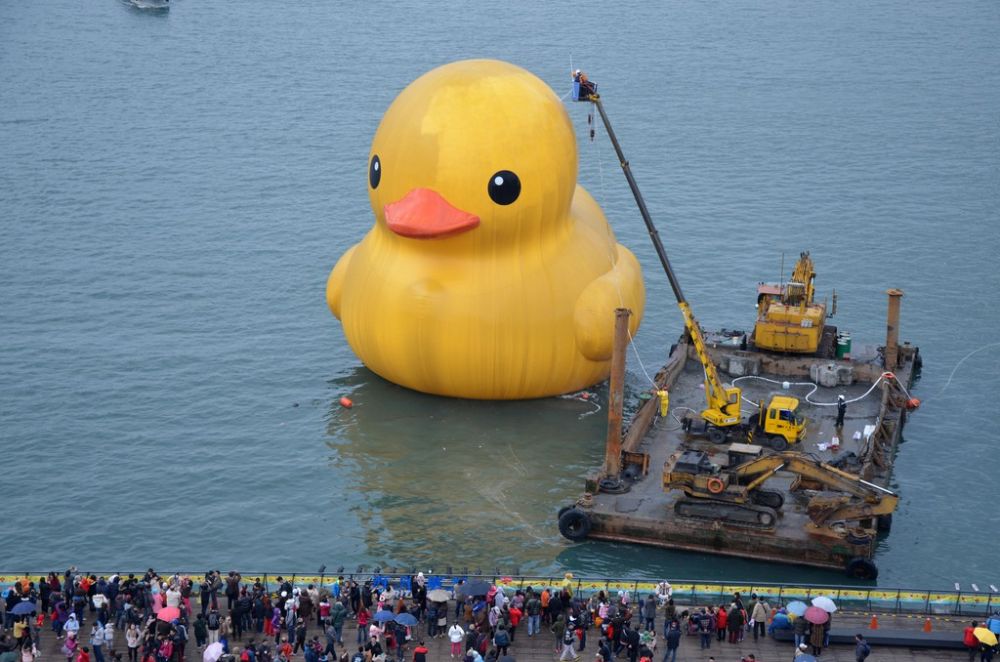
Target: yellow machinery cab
[(788, 317), (795, 329)]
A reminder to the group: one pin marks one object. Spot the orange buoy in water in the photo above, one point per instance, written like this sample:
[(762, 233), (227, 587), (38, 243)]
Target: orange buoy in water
[(345, 402), (913, 403)]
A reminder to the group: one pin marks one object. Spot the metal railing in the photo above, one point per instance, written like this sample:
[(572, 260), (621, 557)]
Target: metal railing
[(685, 592)]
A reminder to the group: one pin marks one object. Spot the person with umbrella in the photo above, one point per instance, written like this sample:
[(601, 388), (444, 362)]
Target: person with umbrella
[(22, 631), (400, 637), (970, 640), (987, 643), (800, 627), (827, 605), (816, 638), (458, 592)]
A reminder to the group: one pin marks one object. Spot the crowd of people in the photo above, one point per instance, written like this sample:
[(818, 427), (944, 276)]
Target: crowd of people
[(153, 618)]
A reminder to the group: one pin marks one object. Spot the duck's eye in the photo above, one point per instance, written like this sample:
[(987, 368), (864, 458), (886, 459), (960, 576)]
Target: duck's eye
[(504, 187), (375, 172)]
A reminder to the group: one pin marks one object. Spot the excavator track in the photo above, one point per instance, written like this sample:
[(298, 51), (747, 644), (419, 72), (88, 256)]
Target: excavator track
[(735, 514)]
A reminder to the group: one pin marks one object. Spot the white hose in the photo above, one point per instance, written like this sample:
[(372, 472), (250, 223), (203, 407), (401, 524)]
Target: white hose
[(815, 387)]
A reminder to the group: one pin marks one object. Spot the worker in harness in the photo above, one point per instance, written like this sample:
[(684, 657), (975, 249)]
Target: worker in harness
[(584, 89)]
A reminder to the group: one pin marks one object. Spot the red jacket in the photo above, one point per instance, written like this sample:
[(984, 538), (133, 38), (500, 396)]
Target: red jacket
[(721, 619), (969, 638), (515, 616)]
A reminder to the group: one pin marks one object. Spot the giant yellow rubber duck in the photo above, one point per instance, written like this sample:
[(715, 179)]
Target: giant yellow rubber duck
[(489, 273)]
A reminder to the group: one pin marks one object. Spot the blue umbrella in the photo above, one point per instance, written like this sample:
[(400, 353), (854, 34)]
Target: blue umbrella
[(406, 618), (24, 607), (383, 616), (797, 607), (476, 587)]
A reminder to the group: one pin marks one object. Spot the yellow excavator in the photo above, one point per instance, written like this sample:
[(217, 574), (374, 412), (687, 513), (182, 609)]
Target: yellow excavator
[(788, 317), (735, 493), (777, 425)]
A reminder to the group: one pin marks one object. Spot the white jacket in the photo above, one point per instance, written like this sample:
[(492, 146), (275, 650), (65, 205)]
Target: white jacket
[(456, 634)]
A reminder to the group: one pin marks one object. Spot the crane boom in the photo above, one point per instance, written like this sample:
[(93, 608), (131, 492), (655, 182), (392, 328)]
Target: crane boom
[(723, 405)]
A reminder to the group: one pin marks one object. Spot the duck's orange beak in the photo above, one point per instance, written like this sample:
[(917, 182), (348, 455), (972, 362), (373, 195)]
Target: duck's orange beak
[(424, 214)]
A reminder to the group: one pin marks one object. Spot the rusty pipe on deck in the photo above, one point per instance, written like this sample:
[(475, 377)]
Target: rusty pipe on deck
[(892, 329), (616, 395)]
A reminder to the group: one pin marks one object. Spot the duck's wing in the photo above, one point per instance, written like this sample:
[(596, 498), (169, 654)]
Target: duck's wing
[(335, 283), (594, 314)]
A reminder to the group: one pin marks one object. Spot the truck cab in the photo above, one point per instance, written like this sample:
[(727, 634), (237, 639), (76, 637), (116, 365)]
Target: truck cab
[(780, 422)]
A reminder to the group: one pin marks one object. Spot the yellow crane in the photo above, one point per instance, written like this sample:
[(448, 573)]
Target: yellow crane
[(721, 418)]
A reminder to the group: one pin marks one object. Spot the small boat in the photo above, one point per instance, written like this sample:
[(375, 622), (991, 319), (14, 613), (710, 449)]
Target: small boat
[(156, 5)]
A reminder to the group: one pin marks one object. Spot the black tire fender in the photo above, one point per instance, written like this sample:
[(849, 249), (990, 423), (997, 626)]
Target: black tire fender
[(884, 523), (861, 568), (574, 524)]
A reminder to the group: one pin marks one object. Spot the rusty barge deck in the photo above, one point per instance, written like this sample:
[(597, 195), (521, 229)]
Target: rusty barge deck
[(644, 512)]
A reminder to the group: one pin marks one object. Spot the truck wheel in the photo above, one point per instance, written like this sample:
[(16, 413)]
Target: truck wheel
[(574, 524), (778, 443), (716, 436), (860, 568)]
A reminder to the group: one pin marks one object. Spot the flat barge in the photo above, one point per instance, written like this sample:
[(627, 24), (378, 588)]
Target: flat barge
[(768, 466), (637, 507)]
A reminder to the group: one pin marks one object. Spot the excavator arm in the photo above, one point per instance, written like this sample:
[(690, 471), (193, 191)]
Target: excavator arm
[(800, 290), (861, 499), (812, 470), (823, 510)]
